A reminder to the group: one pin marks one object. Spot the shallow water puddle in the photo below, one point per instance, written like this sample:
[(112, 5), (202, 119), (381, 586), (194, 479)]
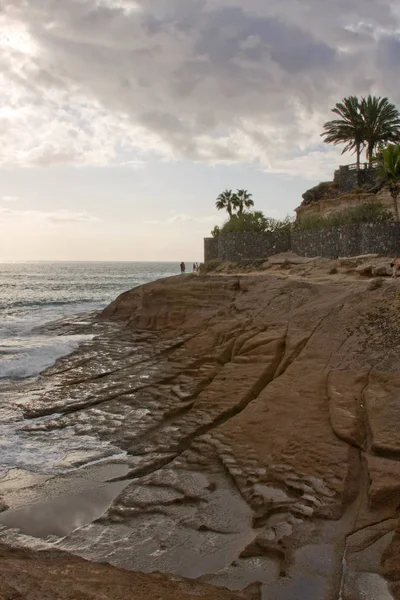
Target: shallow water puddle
[(62, 515), (66, 511)]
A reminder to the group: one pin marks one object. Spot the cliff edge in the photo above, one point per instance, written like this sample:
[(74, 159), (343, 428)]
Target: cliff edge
[(297, 397), (260, 414)]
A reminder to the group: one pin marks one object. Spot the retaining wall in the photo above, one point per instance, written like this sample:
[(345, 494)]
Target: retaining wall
[(348, 179), (236, 246), (210, 248), (351, 240)]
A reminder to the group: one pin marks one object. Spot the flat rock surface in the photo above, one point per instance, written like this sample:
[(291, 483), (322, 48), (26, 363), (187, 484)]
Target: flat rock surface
[(257, 420), (49, 575)]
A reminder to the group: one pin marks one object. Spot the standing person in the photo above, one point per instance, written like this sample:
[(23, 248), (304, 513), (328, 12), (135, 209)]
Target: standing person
[(182, 266), (194, 268), (395, 267)]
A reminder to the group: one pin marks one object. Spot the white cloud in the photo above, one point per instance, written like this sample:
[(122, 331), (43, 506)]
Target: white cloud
[(56, 217), (182, 218), (99, 82)]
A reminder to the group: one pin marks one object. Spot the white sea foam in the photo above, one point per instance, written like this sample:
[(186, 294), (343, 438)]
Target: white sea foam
[(47, 452), (34, 294), (24, 352), (24, 356)]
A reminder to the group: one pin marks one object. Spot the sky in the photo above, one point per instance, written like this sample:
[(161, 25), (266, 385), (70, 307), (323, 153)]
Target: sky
[(122, 120)]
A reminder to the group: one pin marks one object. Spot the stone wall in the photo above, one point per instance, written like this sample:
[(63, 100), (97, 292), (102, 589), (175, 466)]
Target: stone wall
[(242, 246), (210, 249), (329, 243), (351, 240), (381, 238), (347, 179)]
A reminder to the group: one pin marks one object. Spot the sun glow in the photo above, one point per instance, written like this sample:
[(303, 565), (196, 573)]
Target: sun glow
[(15, 37)]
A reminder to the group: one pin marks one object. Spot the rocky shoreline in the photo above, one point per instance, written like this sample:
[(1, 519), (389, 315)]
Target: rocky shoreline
[(251, 422)]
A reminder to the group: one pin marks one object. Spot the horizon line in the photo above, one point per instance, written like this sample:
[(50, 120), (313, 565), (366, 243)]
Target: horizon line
[(33, 261)]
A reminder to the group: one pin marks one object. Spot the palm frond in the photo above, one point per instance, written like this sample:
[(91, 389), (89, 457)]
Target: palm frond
[(348, 129)]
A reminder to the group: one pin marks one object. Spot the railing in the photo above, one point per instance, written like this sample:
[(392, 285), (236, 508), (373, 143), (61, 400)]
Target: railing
[(353, 167)]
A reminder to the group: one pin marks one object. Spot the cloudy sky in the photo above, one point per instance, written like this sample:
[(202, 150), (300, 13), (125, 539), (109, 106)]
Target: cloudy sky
[(122, 120)]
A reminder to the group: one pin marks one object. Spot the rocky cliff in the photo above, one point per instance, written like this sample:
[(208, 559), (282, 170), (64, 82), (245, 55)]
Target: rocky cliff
[(333, 201), (260, 416)]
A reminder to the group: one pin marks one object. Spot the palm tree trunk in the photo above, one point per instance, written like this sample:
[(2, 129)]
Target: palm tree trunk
[(358, 164), (370, 154), (394, 191)]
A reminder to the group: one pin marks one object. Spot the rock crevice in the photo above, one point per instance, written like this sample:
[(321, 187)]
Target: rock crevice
[(259, 416)]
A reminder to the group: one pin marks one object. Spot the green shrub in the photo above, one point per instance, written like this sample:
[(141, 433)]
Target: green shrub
[(247, 222), (370, 212), (255, 221), (311, 222), (323, 189), (279, 224)]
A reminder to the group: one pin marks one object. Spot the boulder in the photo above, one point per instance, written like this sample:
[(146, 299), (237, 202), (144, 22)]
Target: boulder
[(375, 284), (382, 270), (364, 269)]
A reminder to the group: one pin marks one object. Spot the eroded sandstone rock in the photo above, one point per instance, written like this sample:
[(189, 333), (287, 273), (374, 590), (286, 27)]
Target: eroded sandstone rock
[(52, 574), (260, 416)]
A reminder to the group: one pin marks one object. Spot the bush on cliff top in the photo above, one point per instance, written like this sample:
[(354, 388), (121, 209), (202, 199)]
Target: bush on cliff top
[(371, 212), (325, 189), (255, 221)]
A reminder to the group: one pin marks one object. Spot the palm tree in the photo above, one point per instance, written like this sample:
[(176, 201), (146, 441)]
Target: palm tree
[(381, 123), (388, 163), (243, 201), (348, 129), (226, 201)]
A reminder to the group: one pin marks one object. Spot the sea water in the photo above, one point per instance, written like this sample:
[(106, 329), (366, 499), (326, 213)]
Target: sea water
[(35, 293)]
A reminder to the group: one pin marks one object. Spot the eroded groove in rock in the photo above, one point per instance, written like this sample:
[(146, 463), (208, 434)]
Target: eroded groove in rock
[(260, 417)]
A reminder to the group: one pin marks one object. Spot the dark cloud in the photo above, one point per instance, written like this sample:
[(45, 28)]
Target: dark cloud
[(389, 53), (179, 72), (252, 38)]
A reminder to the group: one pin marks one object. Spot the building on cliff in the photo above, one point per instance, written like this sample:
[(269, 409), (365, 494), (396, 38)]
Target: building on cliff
[(348, 177), (349, 188)]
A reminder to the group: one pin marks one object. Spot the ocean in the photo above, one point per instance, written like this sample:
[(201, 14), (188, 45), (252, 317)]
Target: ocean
[(35, 293)]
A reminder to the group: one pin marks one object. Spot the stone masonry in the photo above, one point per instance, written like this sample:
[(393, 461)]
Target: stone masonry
[(350, 240)]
